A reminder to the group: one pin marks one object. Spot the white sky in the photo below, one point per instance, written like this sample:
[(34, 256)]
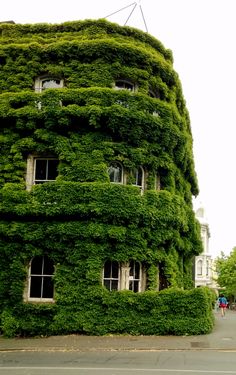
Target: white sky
[(202, 37)]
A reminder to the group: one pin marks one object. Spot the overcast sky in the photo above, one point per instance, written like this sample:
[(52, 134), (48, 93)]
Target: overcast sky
[(202, 37)]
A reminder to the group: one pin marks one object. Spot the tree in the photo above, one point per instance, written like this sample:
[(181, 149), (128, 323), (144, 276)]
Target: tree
[(226, 268)]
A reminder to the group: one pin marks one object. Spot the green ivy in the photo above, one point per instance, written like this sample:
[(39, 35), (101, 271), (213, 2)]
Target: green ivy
[(81, 219)]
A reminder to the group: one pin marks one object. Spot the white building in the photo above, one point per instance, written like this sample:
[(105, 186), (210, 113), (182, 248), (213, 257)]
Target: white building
[(203, 262)]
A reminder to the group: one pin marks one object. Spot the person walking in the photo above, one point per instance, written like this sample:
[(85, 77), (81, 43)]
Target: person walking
[(222, 304)]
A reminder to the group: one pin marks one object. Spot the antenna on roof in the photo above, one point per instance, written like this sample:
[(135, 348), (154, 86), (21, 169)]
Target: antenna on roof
[(134, 5)]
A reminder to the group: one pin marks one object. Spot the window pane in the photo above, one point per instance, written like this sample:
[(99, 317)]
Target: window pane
[(137, 270), (131, 265), (139, 177), (106, 283), (135, 286), (115, 270), (111, 275), (48, 267), (115, 172), (199, 267), (114, 285), (50, 84), (41, 286), (134, 269), (154, 93), (40, 169), (52, 169), (35, 287), (36, 265), (134, 275), (124, 85), (47, 287), (107, 269)]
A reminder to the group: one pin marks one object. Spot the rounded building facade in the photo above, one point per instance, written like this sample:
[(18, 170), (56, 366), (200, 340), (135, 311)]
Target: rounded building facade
[(97, 172)]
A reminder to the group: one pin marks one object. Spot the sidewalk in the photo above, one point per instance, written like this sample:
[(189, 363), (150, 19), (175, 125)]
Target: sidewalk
[(223, 337)]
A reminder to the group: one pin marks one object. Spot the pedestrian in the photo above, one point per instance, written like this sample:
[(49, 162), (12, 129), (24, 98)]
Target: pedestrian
[(222, 304)]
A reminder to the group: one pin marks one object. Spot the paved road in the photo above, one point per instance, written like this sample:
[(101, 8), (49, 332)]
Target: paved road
[(184, 362)]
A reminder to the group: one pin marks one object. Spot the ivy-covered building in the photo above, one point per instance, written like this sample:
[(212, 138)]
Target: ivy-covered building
[(96, 175)]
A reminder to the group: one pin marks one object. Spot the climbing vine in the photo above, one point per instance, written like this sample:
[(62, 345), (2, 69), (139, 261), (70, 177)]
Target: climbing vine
[(80, 219)]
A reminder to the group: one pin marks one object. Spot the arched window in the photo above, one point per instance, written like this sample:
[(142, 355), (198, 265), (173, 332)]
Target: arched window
[(124, 85), (154, 93), (134, 276), (115, 172), (199, 267), (44, 83), (40, 279), (138, 177), (111, 275)]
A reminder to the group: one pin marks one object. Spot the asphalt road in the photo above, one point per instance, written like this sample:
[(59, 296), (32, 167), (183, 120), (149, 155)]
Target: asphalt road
[(186, 362)]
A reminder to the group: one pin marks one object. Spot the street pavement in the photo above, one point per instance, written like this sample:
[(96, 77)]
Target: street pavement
[(223, 337)]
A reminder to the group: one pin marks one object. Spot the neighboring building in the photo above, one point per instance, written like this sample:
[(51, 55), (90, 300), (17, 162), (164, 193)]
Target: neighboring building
[(97, 174), (203, 262)]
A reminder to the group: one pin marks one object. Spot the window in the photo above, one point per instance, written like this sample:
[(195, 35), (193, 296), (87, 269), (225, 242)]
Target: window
[(44, 83), (40, 170), (134, 276), (45, 170), (199, 268), (154, 93), (138, 177), (115, 172), (111, 275), (125, 276), (40, 279), (124, 85)]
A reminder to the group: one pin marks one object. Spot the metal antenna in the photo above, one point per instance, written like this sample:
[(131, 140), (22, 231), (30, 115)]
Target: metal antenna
[(121, 9), (143, 16), (134, 6)]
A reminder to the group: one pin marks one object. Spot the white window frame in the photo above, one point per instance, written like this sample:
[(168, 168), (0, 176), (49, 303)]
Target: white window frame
[(111, 279), (132, 279), (199, 267), (31, 169), (40, 181), (126, 277), (135, 175), (42, 276)]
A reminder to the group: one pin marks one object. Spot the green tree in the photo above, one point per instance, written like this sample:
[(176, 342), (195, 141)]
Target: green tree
[(226, 269)]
